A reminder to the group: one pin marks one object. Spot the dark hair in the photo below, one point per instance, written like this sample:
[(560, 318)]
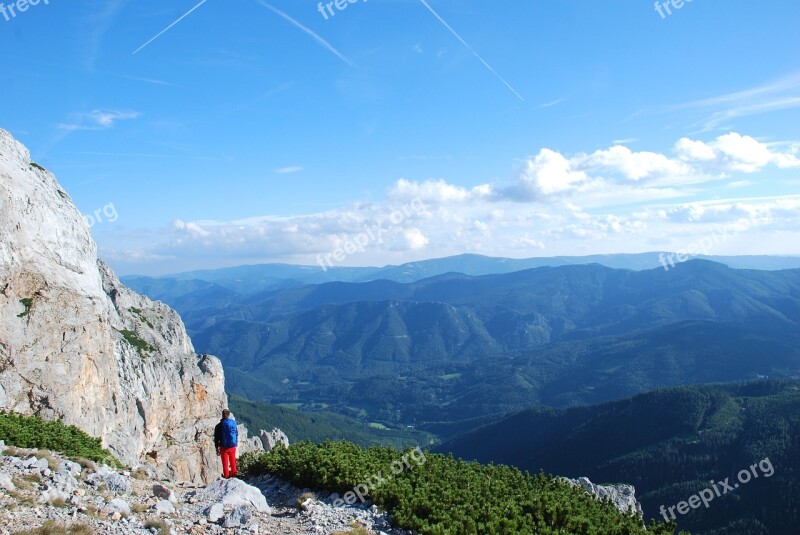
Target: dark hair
[(226, 413)]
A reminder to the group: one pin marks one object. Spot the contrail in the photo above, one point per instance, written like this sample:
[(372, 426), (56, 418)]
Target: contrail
[(310, 32), (435, 14), (165, 30)]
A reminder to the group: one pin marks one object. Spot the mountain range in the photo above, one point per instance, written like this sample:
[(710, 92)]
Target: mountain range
[(448, 351)]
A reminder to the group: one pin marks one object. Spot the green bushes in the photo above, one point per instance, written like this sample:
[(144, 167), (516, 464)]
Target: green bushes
[(444, 496), (27, 302), (33, 432), (134, 340)]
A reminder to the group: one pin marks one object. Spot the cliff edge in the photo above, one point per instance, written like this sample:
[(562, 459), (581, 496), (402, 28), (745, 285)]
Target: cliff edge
[(78, 346)]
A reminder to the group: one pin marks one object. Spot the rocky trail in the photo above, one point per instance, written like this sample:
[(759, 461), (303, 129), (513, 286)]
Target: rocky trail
[(39, 488)]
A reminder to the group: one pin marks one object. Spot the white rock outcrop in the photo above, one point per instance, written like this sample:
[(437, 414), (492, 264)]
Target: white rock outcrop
[(76, 345), (622, 496)]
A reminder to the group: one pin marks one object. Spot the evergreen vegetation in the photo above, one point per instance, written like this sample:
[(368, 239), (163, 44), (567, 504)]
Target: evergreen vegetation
[(444, 496), (35, 433), (669, 444)]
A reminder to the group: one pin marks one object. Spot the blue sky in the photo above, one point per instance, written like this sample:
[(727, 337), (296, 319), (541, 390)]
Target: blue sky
[(396, 130)]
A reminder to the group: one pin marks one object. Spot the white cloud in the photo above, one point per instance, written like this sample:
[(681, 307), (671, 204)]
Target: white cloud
[(98, 119), (548, 173), (415, 239), (610, 200), (734, 152), (289, 170), (633, 165)]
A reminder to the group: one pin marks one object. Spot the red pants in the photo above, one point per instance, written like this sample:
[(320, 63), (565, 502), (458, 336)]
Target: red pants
[(228, 462)]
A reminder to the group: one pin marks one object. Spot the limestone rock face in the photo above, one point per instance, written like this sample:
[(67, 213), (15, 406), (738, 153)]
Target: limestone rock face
[(623, 496), (76, 345)]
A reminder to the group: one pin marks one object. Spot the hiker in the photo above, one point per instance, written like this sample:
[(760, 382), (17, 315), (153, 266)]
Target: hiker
[(226, 438)]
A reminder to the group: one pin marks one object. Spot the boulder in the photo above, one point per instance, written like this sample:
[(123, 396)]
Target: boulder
[(233, 493), (274, 438), (164, 507), (240, 516), (116, 483), (215, 512), (68, 467), (160, 491), (623, 496), (117, 506), (6, 482)]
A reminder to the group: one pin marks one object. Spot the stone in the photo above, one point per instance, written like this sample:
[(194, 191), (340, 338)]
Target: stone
[(39, 464), (240, 516), (160, 491), (68, 467), (235, 492), (164, 507), (117, 506), (6, 483), (273, 439), (623, 496), (116, 483), (62, 315), (215, 512)]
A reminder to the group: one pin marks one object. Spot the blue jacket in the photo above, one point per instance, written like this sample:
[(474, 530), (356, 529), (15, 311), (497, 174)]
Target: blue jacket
[(226, 434)]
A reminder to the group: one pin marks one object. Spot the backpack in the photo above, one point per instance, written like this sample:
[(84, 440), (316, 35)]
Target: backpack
[(230, 433)]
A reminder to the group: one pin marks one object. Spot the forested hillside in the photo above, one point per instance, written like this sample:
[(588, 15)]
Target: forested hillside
[(669, 444), (445, 350), (321, 426)]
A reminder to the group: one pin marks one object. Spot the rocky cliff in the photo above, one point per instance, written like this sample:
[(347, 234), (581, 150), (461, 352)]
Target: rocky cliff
[(78, 346)]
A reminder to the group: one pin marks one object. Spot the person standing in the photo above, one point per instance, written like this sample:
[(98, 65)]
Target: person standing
[(226, 438)]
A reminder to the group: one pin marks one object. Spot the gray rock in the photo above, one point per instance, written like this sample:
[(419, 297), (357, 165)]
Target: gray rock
[(6, 482), (215, 512), (65, 482), (273, 439), (160, 491), (117, 505), (233, 493), (68, 467), (241, 516), (164, 507), (157, 401), (623, 496), (52, 494), (116, 483)]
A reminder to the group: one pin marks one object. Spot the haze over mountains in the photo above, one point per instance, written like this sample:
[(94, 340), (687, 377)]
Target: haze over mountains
[(251, 279)]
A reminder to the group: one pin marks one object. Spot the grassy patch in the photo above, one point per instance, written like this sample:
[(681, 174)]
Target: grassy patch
[(54, 528), (357, 530), (137, 508), (157, 523)]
